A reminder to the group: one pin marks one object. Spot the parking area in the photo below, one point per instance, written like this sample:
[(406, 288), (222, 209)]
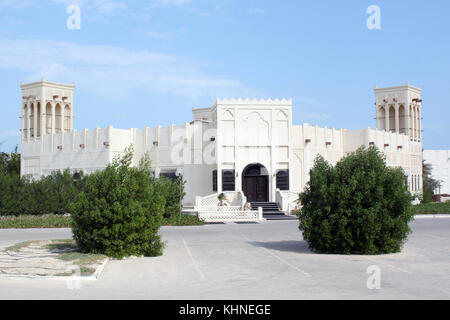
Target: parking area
[(267, 260)]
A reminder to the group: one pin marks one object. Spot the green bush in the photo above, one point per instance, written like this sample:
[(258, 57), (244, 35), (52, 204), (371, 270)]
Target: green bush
[(359, 206), (120, 211), (171, 192), (12, 195), (23, 196), (432, 208), (49, 195)]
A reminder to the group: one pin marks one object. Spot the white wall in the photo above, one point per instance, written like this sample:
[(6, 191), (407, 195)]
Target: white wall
[(244, 132), (440, 162)]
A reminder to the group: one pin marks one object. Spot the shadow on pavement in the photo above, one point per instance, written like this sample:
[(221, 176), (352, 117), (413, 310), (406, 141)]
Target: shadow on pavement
[(300, 246)]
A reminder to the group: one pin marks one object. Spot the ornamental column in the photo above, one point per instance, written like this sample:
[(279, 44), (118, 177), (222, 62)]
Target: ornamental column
[(35, 120), (386, 118), (413, 121), (419, 121), (43, 118), (397, 118), (53, 117), (63, 116)]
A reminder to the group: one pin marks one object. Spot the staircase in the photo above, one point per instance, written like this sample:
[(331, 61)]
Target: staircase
[(271, 211)]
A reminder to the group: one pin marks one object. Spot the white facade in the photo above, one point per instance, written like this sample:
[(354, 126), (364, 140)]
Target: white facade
[(440, 162), (234, 145)]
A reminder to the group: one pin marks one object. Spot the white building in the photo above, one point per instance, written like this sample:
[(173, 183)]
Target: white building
[(440, 162), (243, 147)]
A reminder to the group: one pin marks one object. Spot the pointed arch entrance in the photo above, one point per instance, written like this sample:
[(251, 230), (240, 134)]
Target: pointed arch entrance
[(255, 183)]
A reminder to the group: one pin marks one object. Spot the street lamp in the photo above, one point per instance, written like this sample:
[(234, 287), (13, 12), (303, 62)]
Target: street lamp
[(179, 174)]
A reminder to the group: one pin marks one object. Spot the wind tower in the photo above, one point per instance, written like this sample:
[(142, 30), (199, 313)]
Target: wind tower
[(47, 108)]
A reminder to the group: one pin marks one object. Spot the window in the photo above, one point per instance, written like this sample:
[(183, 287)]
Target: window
[(169, 174), (214, 180), (228, 180), (283, 179)]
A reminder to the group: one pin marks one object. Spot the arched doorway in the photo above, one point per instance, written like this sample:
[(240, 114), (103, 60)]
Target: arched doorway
[(255, 183)]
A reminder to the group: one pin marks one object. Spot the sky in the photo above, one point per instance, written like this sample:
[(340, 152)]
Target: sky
[(141, 63)]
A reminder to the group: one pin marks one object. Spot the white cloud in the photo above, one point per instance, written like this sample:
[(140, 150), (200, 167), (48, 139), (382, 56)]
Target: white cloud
[(104, 7), (111, 8), (257, 11), (113, 71), (16, 3)]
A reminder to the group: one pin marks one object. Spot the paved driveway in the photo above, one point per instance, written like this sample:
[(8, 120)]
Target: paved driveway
[(267, 260)]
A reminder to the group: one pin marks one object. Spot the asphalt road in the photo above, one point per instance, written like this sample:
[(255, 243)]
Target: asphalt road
[(267, 260)]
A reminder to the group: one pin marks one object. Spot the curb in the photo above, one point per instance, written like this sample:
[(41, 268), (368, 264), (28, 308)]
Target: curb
[(431, 216)]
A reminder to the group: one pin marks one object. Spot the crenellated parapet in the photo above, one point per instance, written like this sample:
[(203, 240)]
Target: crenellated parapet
[(240, 101)]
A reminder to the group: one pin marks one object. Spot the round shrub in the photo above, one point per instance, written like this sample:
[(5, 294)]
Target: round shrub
[(359, 206), (120, 211)]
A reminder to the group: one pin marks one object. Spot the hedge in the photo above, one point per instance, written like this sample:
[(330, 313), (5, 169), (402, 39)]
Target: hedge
[(358, 206)]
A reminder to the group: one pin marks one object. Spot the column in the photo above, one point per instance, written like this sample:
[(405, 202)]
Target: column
[(53, 117), (219, 150), (63, 116), (237, 165), (397, 118), (386, 112), (35, 120), (416, 111), (419, 122), (43, 127), (71, 116), (408, 122), (28, 121), (378, 121)]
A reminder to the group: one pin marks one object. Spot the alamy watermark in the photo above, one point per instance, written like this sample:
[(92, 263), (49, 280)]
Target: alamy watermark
[(74, 283), (374, 20), (74, 20), (374, 280)]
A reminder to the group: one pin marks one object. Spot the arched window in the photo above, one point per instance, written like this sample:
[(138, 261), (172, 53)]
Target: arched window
[(25, 121), (382, 119), (410, 121), (419, 129), (38, 120), (67, 115), (31, 128), (415, 117), (48, 117), (402, 120), (392, 126), (58, 118)]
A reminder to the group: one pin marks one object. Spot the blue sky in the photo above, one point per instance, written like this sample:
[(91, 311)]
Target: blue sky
[(144, 63)]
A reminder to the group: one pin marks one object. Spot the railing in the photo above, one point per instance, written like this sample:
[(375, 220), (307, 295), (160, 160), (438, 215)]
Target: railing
[(233, 198), (287, 200), (229, 214)]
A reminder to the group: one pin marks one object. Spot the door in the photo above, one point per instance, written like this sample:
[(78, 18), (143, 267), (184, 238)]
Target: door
[(255, 189)]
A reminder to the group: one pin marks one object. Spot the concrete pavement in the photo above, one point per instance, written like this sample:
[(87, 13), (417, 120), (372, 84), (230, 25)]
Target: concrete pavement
[(267, 260)]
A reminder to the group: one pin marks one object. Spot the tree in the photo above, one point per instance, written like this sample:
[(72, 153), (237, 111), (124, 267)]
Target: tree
[(358, 206), (10, 163), (120, 211), (430, 185)]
